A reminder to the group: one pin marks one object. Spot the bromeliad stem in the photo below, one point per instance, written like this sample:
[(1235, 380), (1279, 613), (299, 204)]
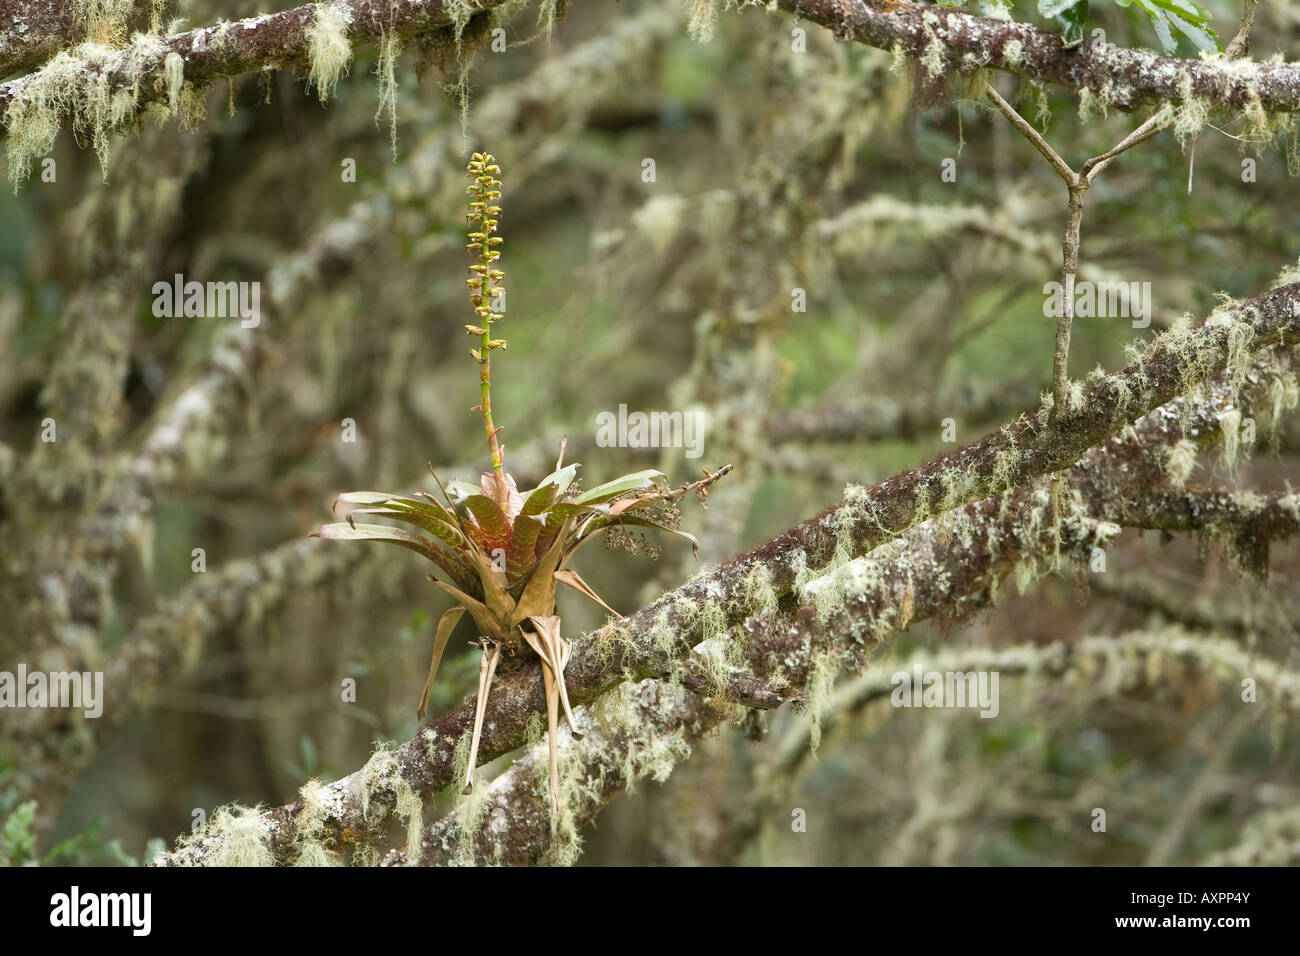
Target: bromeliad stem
[(485, 404), (484, 286)]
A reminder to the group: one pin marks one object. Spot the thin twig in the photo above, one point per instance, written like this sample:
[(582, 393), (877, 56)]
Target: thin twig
[(1240, 44), (1154, 124), (1027, 130), (1077, 184)]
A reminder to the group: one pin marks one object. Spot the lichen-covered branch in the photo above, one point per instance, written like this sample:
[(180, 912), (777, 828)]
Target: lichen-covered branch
[(100, 87), (646, 643), (952, 39), (1126, 663), (273, 40), (31, 30), (635, 732)]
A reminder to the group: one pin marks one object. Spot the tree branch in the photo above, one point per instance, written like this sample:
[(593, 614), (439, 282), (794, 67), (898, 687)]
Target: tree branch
[(946, 566), (1026, 129), (1239, 46), (275, 40), (1128, 78), (31, 30), (637, 647)]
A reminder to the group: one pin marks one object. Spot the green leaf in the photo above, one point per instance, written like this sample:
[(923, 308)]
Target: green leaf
[(446, 624), (491, 520), (1201, 39), (363, 497), (1073, 19), (522, 554), (19, 840), (612, 489), (428, 522), (1185, 9), (552, 487), (455, 567), (458, 489), (568, 509), (343, 531), (1054, 8), (1188, 18), (1160, 21), (539, 499), (538, 597), (552, 525), (426, 504), (1167, 42)]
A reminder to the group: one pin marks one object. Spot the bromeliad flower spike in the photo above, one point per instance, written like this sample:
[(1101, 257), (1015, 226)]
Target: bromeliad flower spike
[(501, 552)]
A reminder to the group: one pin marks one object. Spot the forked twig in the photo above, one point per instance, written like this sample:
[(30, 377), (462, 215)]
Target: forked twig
[(1076, 183)]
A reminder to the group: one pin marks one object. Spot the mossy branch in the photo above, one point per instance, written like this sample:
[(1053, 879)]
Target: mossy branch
[(1124, 661), (34, 30), (1012, 457), (1131, 78), (203, 55), (102, 88)]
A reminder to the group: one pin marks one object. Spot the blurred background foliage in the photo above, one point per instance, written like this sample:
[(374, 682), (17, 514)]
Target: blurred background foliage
[(774, 170)]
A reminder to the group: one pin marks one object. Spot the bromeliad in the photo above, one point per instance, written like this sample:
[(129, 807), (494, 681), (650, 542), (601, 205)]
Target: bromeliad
[(502, 552)]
